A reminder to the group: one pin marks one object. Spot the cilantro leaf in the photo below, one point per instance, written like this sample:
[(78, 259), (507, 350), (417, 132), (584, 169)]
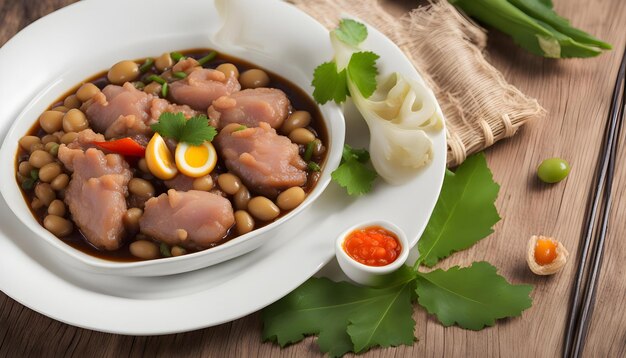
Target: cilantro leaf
[(362, 155), (355, 177), (464, 214), (472, 297), (351, 32), (170, 125), (362, 72), (330, 85), (352, 173), (345, 317), (198, 131), (194, 130)]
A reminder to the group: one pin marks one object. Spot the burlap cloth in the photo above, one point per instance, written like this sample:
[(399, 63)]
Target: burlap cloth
[(446, 48)]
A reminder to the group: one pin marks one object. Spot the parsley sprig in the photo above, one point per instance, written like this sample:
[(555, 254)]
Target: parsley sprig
[(351, 32), (195, 130), (353, 172), (331, 81)]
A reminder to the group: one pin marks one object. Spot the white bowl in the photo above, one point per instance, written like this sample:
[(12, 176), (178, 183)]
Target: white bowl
[(371, 275), (286, 47)]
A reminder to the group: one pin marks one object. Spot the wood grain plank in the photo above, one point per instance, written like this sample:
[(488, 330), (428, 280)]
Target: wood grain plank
[(576, 95)]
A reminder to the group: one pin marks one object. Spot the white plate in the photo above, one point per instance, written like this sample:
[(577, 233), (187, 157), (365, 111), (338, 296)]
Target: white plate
[(32, 274)]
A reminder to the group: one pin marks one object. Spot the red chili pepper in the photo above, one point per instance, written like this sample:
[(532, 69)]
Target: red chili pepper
[(124, 146)]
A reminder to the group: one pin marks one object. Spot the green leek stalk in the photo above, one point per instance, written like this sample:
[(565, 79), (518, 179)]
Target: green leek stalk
[(535, 26)]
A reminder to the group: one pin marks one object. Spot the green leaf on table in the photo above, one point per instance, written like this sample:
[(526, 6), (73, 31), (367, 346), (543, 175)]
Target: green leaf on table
[(351, 32), (344, 316), (472, 297), (330, 85), (362, 71), (465, 211)]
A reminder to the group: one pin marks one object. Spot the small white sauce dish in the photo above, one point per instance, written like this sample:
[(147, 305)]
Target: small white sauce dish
[(370, 275)]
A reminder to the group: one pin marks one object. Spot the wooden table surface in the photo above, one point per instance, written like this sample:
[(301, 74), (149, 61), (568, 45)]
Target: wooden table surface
[(576, 94)]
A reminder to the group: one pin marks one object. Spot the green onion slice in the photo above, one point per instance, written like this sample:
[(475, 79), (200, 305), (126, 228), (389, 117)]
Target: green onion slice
[(157, 79), (177, 56), (146, 65), (207, 58), (312, 166), (308, 153)]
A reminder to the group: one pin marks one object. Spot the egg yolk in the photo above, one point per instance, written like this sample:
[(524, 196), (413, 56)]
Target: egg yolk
[(545, 251), (196, 156)]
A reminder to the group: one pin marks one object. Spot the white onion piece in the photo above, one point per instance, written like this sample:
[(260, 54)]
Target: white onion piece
[(397, 154), (398, 115), (343, 51)]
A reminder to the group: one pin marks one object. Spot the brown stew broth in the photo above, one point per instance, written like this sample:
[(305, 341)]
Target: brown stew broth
[(299, 99)]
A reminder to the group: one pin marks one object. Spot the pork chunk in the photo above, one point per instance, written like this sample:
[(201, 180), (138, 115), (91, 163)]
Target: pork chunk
[(96, 194), (250, 107), (193, 219), (122, 111), (265, 161), (201, 87), (85, 140)]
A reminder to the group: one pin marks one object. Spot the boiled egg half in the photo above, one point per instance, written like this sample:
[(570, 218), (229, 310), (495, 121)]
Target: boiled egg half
[(195, 160), (159, 159)]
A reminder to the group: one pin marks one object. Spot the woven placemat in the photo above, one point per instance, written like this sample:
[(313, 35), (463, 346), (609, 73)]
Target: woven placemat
[(446, 48)]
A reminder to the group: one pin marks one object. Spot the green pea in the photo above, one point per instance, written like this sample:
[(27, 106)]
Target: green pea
[(553, 170), (165, 250), (54, 149), (28, 184)]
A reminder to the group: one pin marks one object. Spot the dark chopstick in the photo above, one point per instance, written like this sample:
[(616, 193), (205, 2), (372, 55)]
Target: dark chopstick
[(599, 250), (580, 313)]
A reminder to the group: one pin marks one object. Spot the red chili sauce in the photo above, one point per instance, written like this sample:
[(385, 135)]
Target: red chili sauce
[(372, 246)]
